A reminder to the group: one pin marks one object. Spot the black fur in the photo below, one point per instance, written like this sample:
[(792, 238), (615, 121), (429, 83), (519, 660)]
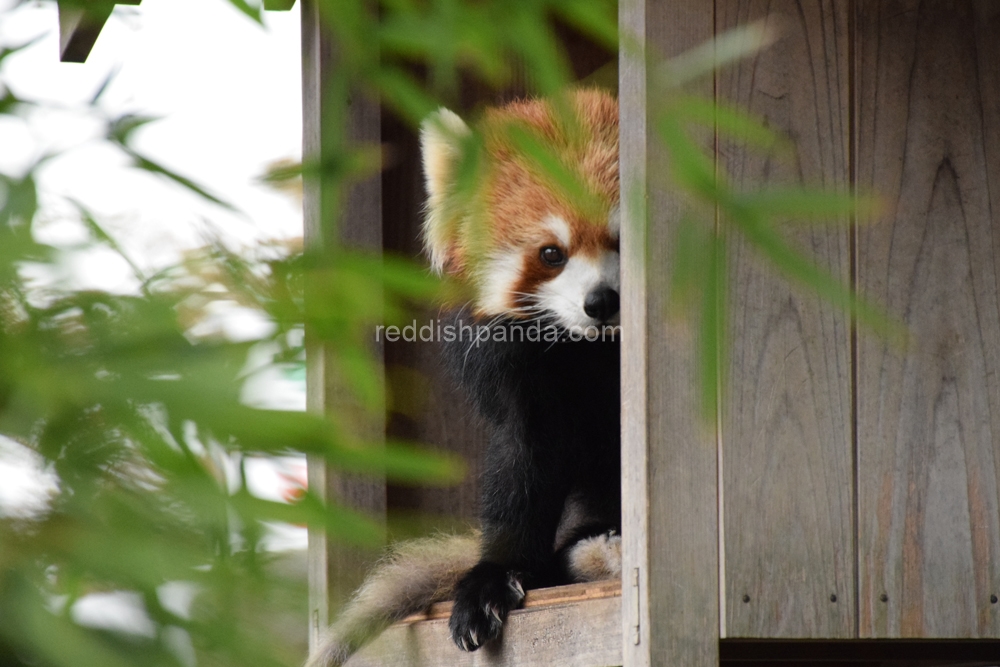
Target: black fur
[(554, 411)]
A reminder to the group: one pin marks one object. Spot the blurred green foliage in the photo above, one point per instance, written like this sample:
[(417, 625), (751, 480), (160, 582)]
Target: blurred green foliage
[(141, 423)]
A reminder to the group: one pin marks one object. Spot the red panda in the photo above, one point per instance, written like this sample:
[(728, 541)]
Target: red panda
[(534, 253), (493, 239)]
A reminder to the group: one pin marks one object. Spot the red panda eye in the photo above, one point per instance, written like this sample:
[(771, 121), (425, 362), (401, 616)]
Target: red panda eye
[(553, 255)]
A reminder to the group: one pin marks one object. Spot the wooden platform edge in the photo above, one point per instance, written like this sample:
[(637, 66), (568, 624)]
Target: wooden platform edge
[(537, 598), (577, 625)]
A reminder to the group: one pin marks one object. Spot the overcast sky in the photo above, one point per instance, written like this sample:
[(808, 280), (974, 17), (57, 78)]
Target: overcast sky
[(229, 95)]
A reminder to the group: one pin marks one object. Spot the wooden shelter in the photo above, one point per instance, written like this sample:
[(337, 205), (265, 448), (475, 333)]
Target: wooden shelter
[(846, 509)]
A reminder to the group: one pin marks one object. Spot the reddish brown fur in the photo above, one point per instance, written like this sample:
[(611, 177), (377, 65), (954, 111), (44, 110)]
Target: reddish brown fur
[(517, 197)]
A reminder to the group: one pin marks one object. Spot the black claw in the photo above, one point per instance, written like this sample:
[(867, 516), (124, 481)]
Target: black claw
[(483, 598)]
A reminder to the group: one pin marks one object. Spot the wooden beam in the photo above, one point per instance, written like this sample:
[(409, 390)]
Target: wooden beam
[(670, 522), (80, 24)]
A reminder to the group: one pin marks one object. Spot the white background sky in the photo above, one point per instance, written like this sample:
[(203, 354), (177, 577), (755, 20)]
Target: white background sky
[(229, 95)]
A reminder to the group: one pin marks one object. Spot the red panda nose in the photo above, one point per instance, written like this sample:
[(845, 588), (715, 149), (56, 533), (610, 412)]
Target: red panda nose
[(601, 303)]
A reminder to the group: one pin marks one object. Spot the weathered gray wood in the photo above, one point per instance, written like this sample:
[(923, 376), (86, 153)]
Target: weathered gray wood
[(787, 424), (336, 569), (929, 415), (571, 626), (670, 600)]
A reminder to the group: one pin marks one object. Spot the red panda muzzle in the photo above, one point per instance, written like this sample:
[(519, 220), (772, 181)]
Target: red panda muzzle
[(601, 303)]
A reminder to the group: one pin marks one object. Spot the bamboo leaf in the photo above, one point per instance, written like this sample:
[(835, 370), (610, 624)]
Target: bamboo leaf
[(563, 178), (597, 19), (253, 12), (692, 170), (807, 204), (796, 266), (711, 340), (725, 49), (729, 121), (403, 93), (146, 164), (691, 258)]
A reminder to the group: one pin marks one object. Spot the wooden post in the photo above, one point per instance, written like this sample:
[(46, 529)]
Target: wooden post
[(670, 579), (335, 570)]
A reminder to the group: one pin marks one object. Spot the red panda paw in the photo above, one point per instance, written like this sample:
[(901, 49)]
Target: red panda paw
[(483, 598)]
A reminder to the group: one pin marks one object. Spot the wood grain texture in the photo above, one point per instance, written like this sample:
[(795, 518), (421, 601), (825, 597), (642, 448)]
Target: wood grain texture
[(571, 626), (336, 569), (929, 415), (787, 423), (670, 598), (633, 158)]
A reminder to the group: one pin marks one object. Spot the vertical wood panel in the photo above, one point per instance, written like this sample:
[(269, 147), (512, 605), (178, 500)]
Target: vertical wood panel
[(929, 415), (670, 594), (789, 535), (335, 569)]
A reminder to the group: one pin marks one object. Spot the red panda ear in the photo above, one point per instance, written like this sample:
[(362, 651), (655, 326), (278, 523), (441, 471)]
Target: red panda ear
[(441, 136)]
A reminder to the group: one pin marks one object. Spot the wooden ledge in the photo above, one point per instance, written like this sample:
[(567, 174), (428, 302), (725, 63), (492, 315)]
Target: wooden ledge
[(567, 626), (540, 597)]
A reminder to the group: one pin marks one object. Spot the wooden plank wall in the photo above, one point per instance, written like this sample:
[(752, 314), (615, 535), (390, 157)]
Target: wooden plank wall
[(861, 493), (787, 425), (928, 87), (900, 98)]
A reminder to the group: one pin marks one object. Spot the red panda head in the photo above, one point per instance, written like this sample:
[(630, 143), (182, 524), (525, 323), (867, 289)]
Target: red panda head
[(533, 239)]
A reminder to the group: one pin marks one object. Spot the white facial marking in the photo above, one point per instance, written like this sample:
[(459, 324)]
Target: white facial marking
[(615, 222), (503, 271), (441, 137), (560, 228), (564, 295)]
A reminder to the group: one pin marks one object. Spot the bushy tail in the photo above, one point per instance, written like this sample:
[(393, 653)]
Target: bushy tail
[(413, 576)]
